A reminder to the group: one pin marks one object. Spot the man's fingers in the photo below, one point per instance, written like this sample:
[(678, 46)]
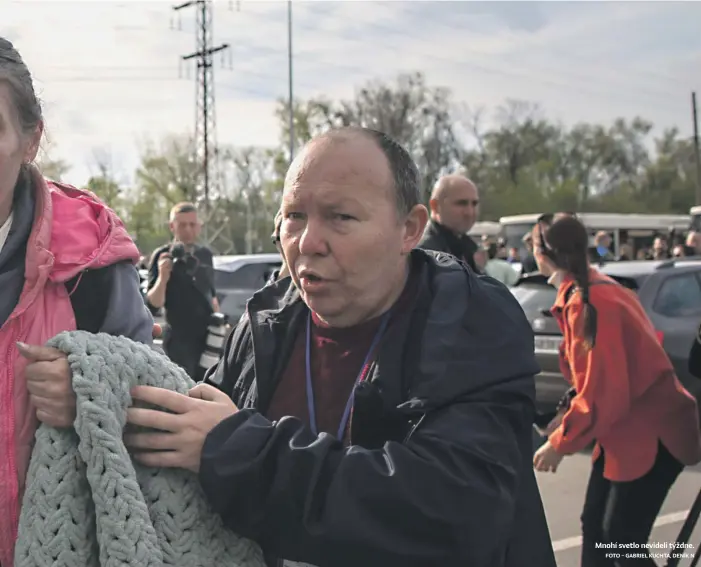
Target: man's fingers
[(154, 419), (156, 441), (37, 353), (208, 393), (167, 399)]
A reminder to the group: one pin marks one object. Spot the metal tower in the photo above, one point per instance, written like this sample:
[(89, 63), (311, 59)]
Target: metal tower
[(205, 123)]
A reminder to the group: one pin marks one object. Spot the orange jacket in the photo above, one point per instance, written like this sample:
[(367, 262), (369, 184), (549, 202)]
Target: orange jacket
[(628, 396)]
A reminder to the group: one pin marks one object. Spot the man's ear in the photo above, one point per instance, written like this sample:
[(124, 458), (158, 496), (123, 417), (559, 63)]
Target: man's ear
[(414, 226), (433, 205)]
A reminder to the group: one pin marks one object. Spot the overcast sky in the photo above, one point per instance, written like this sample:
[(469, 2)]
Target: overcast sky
[(108, 72)]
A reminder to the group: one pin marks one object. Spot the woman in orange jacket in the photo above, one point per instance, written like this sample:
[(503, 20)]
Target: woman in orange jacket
[(628, 399)]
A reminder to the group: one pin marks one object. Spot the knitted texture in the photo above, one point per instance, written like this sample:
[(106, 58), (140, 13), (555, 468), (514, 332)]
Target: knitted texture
[(87, 504)]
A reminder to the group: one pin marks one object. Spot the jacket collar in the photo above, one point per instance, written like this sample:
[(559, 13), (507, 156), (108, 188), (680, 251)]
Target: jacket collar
[(450, 342)]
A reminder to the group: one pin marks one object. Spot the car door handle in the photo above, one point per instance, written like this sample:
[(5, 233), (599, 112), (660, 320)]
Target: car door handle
[(546, 312)]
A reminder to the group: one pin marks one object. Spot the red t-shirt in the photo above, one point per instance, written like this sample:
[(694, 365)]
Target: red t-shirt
[(337, 357)]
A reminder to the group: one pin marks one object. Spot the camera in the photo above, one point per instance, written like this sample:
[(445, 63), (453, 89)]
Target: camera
[(181, 257), (178, 252)]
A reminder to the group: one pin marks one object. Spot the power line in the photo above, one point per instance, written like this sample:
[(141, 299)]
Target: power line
[(205, 122), (290, 82), (694, 115)]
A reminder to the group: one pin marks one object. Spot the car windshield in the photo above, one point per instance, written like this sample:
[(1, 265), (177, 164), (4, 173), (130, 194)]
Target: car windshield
[(245, 276)]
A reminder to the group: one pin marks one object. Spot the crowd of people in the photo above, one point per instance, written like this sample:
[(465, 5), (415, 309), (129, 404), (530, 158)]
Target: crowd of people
[(374, 405)]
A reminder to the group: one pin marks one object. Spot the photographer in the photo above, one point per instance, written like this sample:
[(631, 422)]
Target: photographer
[(181, 279)]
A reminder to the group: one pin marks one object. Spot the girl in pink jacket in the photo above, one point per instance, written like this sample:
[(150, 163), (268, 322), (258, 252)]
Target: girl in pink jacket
[(66, 263)]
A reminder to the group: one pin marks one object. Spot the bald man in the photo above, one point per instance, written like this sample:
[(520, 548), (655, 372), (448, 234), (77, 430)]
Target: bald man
[(454, 208)]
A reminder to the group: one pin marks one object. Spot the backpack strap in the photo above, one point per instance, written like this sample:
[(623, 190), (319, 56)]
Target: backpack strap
[(90, 291)]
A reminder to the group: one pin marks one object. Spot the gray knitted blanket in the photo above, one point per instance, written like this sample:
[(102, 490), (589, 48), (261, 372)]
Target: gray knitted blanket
[(87, 505)]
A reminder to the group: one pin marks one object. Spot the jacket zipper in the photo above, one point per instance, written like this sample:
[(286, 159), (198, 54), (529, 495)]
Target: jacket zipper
[(414, 427)]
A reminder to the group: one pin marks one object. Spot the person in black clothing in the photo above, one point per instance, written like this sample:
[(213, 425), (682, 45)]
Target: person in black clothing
[(454, 209), (181, 279), (529, 265), (365, 415)]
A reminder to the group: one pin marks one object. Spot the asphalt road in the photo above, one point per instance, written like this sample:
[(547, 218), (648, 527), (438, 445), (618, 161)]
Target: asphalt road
[(563, 497)]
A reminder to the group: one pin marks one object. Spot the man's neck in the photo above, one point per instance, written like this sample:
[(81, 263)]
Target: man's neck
[(188, 247), (455, 233)]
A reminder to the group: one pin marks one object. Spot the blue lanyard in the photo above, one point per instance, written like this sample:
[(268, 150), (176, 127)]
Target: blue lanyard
[(310, 387)]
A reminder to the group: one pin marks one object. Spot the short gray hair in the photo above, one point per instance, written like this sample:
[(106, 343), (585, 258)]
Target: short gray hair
[(15, 73), (405, 174)]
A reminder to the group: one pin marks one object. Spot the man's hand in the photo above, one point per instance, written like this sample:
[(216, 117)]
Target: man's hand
[(546, 459), (49, 383), (165, 267), (183, 431)]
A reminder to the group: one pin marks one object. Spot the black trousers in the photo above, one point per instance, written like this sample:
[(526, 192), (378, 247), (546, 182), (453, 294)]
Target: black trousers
[(624, 512), (185, 351)]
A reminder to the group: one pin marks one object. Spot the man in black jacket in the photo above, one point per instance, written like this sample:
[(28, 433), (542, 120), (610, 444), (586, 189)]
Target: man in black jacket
[(181, 279), (454, 210), (364, 412)]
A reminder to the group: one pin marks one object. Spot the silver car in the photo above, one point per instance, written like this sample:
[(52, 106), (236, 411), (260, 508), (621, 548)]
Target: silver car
[(237, 278), (670, 293)]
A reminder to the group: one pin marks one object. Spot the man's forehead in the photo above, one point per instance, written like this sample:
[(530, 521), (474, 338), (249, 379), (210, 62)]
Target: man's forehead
[(190, 216), (324, 195), (459, 189), (339, 170)]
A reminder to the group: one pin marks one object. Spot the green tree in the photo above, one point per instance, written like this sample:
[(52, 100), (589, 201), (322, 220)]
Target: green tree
[(413, 113)]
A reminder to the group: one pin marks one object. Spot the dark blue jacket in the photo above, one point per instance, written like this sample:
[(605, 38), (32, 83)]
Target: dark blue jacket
[(439, 471)]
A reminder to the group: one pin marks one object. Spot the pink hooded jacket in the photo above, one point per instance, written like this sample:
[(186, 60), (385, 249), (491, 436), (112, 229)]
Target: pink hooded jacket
[(73, 231)]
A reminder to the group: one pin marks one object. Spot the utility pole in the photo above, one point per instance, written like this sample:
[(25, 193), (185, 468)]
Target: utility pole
[(697, 153), (205, 123), (289, 79)]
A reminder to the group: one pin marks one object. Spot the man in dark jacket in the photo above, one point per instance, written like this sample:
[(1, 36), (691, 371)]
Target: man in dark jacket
[(454, 209), (375, 420)]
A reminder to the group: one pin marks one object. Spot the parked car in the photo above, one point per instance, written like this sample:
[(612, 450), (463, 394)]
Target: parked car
[(670, 293), (237, 278), (143, 279)]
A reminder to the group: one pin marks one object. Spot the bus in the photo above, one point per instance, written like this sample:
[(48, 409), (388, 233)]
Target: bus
[(484, 228), (639, 230)]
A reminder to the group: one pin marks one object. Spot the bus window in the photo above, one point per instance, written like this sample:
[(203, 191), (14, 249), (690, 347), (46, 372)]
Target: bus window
[(513, 234)]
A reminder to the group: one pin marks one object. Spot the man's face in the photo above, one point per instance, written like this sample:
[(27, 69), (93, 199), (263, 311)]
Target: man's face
[(186, 228), (458, 209), (342, 238), (659, 246)]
